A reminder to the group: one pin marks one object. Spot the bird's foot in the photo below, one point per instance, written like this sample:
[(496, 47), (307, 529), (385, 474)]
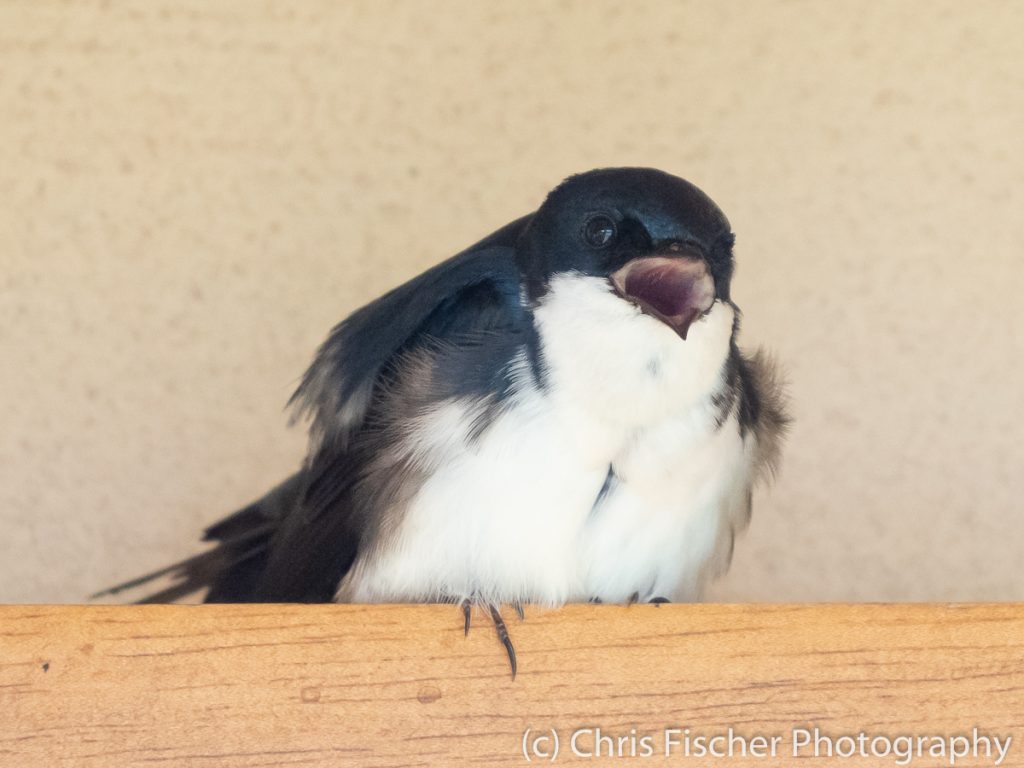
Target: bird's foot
[(467, 613), (518, 607), (635, 598), (499, 627), (502, 630)]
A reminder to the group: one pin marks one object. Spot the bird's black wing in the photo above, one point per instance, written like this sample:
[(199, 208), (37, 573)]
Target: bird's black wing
[(296, 543), (457, 296)]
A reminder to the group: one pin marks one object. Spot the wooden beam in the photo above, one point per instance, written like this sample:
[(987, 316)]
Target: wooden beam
[(398, 685)]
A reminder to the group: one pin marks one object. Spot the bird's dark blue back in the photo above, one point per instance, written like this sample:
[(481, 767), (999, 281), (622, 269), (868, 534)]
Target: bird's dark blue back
[(465, 317)]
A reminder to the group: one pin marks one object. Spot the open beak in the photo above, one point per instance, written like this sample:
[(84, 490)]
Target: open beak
[(675, 289)]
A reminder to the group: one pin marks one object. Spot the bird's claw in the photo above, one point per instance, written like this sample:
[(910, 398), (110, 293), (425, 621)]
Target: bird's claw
[(499, 627), (502, 630)]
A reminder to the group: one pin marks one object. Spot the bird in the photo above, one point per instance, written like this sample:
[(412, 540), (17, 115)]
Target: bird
[(559, 413)]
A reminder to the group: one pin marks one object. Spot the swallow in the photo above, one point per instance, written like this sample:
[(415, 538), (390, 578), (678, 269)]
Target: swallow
[(559, 413)]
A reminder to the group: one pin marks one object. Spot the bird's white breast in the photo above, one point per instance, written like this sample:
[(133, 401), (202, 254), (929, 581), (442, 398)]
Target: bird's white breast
[(511, 515)]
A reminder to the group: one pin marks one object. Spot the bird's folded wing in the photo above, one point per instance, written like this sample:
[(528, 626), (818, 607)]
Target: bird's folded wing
[(296, 543)]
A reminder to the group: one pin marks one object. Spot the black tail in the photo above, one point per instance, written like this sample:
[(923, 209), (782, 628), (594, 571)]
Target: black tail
[(231, 570)]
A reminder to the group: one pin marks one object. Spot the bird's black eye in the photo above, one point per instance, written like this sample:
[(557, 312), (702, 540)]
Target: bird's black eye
[(599, 230)]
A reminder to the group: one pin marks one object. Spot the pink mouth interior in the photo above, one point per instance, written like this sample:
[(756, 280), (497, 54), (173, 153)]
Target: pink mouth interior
[(664, 288), (675, 290)]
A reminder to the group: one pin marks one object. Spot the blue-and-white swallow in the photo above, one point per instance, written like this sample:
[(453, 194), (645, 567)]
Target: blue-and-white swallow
[(559, 413)]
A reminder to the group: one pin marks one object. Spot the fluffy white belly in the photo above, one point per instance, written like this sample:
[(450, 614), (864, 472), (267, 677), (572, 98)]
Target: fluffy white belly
[(497, 521), (511, 514), (666, 525)]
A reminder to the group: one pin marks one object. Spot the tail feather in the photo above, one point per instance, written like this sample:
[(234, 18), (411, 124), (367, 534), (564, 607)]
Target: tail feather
[(205, 573), (232, 568), (139, 581), (208, 569)]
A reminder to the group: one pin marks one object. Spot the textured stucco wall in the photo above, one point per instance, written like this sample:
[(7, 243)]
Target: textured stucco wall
[(192, 193)]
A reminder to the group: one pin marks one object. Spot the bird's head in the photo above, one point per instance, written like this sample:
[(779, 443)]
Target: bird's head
[(662, 244)]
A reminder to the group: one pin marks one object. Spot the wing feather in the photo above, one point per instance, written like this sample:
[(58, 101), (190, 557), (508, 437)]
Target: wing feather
[(296, 543)]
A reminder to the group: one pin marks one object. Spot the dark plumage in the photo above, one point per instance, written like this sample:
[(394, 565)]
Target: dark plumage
[(481, 335)]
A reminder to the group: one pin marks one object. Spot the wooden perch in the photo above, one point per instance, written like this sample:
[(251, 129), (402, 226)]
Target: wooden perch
[(389, 685)]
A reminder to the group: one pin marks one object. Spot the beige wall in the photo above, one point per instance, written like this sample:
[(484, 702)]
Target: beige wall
[(192, 193)]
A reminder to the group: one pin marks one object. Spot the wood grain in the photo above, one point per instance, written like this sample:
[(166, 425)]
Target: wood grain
[(262, 685)]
